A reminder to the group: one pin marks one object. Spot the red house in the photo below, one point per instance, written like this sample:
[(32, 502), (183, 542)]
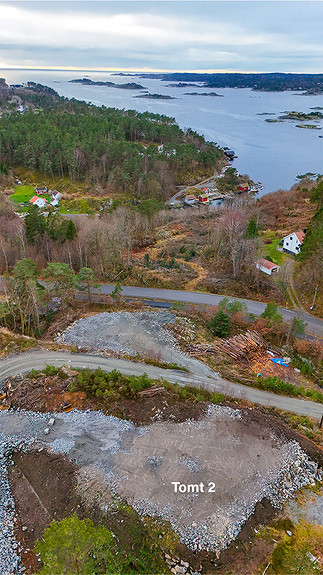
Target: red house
[(243, 187), (203, 199)]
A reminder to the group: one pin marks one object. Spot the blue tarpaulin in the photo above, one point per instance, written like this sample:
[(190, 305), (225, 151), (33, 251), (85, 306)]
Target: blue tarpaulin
[(279, 360)]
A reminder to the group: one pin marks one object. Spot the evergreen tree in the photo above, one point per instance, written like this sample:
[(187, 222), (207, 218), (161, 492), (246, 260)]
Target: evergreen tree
[(86, 280), (35, 223), (271, 313), (71, 230), (220, 324), (252, 229)]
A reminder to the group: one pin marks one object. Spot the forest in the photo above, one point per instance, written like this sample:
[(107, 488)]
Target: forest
[(268, 82), (115, 148)]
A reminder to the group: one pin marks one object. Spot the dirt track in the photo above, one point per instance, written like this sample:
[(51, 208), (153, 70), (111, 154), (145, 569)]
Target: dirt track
[(38, 360)]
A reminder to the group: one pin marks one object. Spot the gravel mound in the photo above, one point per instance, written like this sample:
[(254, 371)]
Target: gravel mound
[(122, 332), (138, 333)]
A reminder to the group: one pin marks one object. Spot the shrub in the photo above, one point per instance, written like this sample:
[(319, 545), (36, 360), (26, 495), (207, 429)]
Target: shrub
[(33, 374), (51, 370)]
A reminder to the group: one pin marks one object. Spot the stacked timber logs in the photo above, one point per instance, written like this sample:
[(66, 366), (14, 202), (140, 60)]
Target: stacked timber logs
[(240, 346), (237, 347)]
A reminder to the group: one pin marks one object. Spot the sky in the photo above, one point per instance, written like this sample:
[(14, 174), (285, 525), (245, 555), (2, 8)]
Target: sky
[(243, 36)]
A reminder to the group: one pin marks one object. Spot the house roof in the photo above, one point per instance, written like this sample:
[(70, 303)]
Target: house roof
[(267, 264), (203, 196), (300, 236), (190, 197), (34, 198)]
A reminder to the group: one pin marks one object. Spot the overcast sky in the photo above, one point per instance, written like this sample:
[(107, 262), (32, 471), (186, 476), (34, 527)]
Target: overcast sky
[(261, 35)]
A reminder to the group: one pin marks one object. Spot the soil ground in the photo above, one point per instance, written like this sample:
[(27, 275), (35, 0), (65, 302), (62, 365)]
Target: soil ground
[(47, 394), (47, 486), (53, 493)]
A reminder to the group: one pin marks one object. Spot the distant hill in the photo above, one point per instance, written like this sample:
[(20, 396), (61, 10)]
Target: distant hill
[(141, 154), (268, 82)]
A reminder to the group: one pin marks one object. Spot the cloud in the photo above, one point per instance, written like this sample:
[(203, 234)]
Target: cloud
[(188, 35)]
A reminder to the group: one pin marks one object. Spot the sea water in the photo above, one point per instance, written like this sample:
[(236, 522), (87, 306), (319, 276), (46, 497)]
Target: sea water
[(271, 153)]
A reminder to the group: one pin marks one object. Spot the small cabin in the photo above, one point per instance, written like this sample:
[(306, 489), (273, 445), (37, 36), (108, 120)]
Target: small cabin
[(203, 199), (267, 267), (55, 197), (229, 154), (36, 201), (243, 187)]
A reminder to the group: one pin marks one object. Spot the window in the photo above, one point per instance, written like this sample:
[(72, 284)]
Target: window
[(286, 243), (291, 238)]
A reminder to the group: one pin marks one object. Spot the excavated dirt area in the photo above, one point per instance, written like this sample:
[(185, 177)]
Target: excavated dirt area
[(58, 489), (240, 460)]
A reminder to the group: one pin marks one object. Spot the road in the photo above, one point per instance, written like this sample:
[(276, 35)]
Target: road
[(23, 363), (314, 324)]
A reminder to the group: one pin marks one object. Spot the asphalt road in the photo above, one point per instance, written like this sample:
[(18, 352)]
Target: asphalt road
[(37, 360), (314, 324)]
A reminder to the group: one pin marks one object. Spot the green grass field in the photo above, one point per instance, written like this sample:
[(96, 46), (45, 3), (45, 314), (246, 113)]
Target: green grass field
[(272, 252), (23, 194)]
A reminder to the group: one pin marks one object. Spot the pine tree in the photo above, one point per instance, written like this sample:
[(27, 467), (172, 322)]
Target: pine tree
[(220, 324), (71, 230)]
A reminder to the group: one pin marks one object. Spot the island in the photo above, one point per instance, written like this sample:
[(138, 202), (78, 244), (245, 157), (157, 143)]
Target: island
[(155, 96), (88, 82), (315, 116), (308, 126), (304, 84), (302, 116), (203, 94), (183, 85)]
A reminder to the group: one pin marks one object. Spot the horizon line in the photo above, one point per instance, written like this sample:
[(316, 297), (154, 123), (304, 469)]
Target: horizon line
[(146, 70)]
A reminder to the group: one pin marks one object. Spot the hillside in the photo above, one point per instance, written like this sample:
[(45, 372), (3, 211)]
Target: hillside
[(144, 155), (268, 82)]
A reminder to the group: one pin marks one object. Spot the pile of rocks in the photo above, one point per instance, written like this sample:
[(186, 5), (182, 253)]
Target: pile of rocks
[(110, 330), (9, 548), (179, 567)]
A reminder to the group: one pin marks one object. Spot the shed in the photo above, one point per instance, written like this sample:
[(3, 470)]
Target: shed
[(267, 267)]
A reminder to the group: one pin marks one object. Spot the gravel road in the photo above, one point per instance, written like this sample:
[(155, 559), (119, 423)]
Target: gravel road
[(139, 333), (37, 360)]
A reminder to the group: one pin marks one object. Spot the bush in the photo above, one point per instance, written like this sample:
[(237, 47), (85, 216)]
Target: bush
[(110, 386), (51, 370), (76, 546), (284, 388), (277, 386), (33, 374)]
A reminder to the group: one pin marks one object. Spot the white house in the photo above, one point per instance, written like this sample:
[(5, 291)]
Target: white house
[(190, 200), (55, 197), (36, 201), (267, 267), (292, 243)]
